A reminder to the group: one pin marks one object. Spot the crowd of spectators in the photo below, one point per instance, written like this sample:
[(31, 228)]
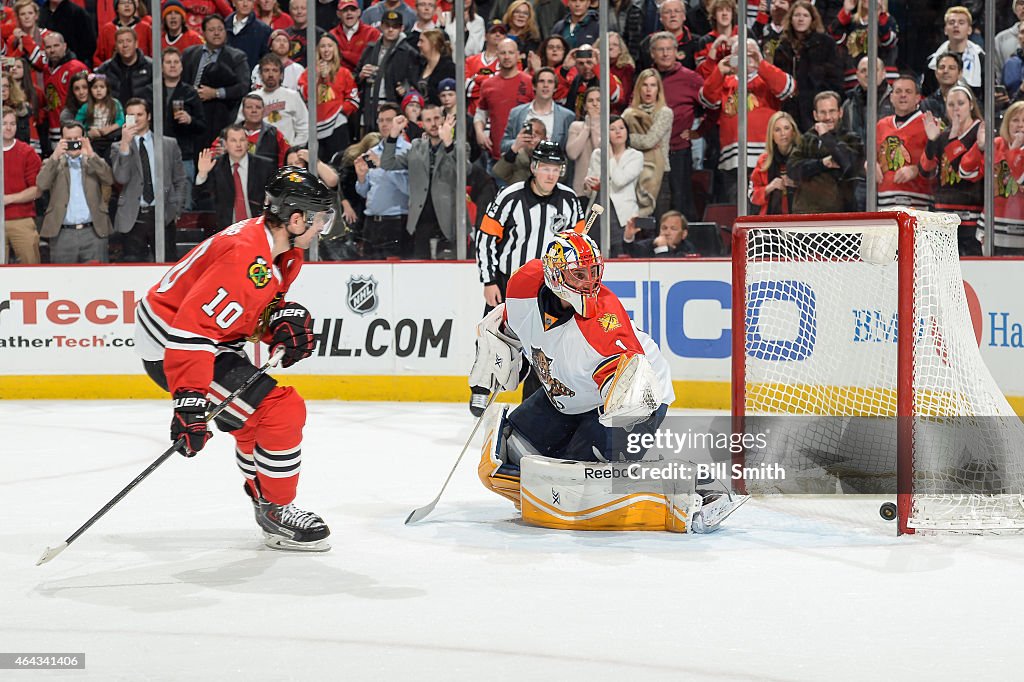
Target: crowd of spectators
[(80, 171)]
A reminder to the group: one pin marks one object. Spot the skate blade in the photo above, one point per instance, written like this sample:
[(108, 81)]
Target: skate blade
[(713, 521), (286, 545)]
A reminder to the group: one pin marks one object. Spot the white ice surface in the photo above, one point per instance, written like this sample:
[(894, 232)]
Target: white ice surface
[(174, 583)]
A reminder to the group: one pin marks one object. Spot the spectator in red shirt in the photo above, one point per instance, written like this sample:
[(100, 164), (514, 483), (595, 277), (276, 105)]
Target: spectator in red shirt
[(269, 12), (682, 86), (21, 166), (200, 9), (176, 33), (482, 66), (57, 78), (26, 37), (498, 95), (352, 34), (337, 98), (128, 15)]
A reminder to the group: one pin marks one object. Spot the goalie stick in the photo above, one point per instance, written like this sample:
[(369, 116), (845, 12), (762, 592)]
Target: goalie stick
[(595, 211), (50, 553), (422, 512)]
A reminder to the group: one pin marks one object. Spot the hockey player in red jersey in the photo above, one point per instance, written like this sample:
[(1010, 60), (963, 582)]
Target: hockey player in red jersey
[(192, 328)]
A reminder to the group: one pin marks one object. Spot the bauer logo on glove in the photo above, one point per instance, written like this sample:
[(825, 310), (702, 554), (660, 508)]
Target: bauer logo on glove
[(189, 421), (291, 327)]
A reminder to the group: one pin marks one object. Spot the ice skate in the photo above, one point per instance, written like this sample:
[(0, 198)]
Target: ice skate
[(716, 506), (289, 528)]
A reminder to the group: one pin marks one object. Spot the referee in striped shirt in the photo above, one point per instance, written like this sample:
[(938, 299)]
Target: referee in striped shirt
[(518, 224)]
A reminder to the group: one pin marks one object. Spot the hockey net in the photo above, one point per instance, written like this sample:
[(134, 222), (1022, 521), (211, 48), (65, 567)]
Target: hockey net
[(863, 365)]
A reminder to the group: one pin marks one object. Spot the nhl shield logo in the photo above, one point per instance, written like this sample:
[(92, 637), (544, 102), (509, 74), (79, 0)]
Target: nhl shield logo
[(362, 295)]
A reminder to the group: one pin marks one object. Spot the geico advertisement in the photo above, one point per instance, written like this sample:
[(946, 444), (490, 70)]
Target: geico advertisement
[(687, 306)]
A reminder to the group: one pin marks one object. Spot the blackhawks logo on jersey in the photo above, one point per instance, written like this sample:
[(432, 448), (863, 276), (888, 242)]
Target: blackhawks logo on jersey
[(1006, 184), (609, 321), (948, 175), (731, 105), (554, 387), (893, 153), (259, 272)]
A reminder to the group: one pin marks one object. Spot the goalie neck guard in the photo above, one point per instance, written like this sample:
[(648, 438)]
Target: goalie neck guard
[(573, 268)]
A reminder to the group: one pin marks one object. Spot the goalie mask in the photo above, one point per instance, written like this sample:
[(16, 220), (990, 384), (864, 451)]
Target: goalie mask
[(573, 268)]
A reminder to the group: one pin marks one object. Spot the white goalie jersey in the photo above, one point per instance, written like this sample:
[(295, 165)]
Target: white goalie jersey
[(576, 357)]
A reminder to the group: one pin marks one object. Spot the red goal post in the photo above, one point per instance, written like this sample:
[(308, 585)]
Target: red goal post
[(841, 316)]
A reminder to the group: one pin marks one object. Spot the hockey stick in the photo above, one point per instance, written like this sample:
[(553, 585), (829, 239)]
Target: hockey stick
[(422, 512), (595, 211), (50, 553)]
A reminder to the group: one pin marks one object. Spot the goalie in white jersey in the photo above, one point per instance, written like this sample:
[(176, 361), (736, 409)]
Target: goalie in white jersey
[(599, 373), (605, 385)]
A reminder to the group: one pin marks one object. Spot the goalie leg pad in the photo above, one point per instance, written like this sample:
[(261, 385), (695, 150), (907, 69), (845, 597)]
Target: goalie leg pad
[(495, 471), (611, 496)]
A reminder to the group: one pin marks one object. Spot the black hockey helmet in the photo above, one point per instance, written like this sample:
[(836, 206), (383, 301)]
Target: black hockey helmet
[(547, 151), (294, 189)]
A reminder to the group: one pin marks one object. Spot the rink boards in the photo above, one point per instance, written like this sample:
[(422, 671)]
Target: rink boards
[(404, 331)]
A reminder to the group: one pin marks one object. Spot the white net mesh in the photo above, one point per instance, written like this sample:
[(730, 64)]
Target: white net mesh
[(821, 349)]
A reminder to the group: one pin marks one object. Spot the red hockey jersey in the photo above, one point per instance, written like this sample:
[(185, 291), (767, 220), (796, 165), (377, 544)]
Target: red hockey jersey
[(56, 83), (766, 90), (900, 145), (211, 301), (1008, 169), (335, 101)]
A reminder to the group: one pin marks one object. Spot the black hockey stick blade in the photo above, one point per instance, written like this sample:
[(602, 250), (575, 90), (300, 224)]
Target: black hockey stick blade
[(422, 512)]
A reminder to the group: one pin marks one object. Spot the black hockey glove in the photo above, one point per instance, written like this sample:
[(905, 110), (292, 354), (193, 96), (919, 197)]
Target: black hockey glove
[(291, 326), (190, 421)]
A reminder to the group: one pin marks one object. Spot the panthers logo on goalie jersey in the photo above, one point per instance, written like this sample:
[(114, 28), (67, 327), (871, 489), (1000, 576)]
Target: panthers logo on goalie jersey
[(554, 387)]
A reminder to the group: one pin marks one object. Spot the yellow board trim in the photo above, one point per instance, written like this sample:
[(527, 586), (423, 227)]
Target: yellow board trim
[(703, 395)]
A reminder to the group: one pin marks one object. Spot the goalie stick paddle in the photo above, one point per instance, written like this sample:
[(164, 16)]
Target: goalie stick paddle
[(52, 552), (422, 512)]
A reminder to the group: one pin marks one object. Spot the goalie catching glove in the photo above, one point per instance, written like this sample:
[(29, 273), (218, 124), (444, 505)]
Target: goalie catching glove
[(189, 420), (291, 327), (633, 393), (499, 357)]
